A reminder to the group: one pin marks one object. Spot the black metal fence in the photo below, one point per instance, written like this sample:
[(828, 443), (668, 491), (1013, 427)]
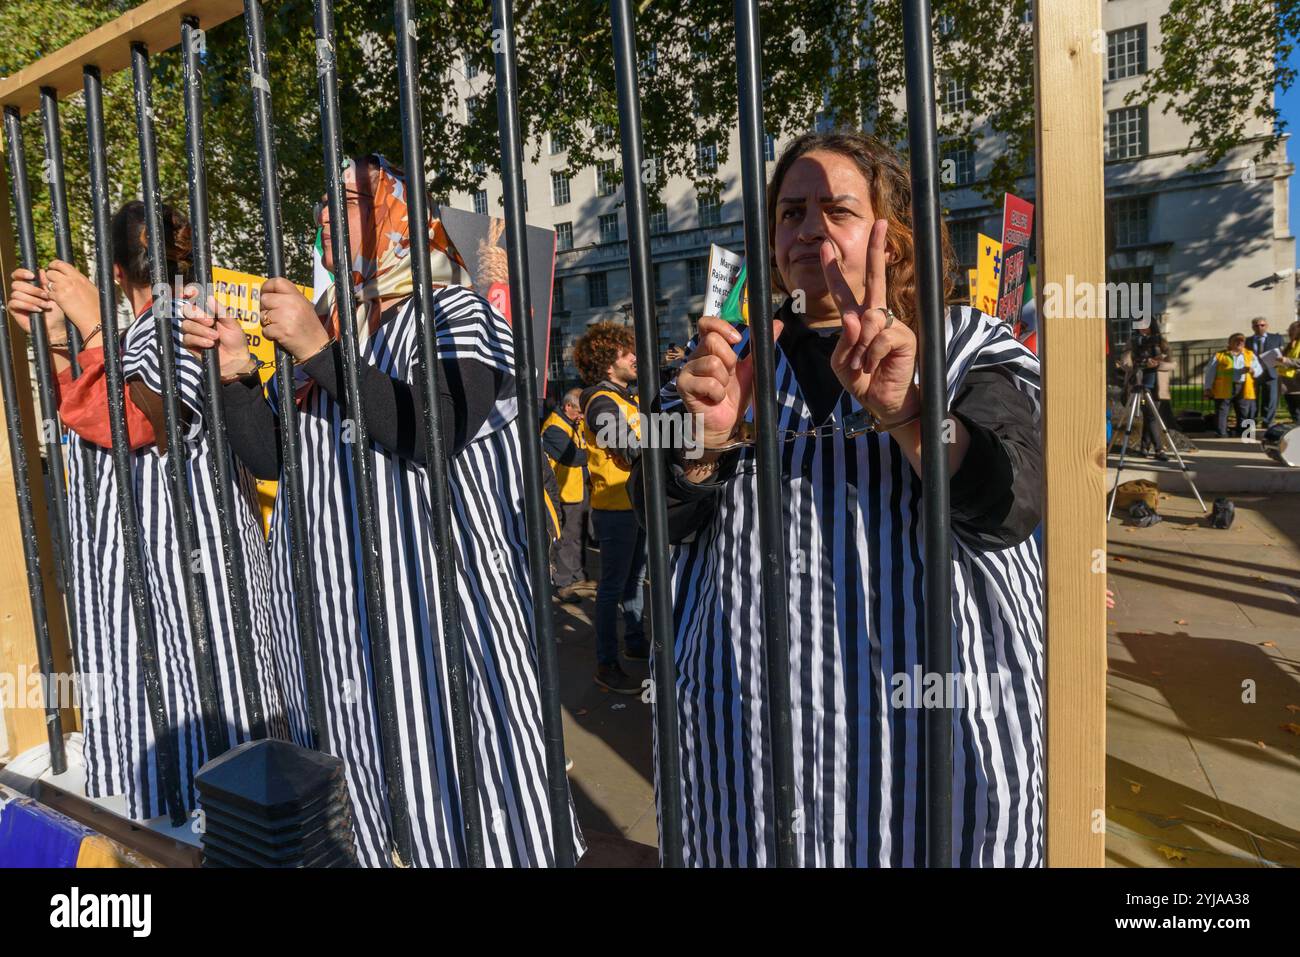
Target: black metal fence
[(926, 214)]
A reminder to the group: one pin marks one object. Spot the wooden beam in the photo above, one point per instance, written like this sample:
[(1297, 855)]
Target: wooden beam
[(1071, 243), (157, 24), (24, 726)]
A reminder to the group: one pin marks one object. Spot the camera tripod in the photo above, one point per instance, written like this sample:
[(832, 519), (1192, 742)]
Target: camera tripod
[(1142, 397)]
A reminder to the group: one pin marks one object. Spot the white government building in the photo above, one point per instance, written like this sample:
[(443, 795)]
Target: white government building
[(1214, 245)]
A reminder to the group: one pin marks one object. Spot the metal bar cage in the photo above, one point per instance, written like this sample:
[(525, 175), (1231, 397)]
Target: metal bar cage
[(924, 170)]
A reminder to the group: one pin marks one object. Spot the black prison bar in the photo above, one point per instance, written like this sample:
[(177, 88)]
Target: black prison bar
[(62, 226), (31, 549), (444, 547), (291, 482), (58, 500), (363, 467), (57, 503), (526, 375), (771, 532), (59, 201), (923, 148), (652, 470), (141, 605), (178, 443), (214, 411)]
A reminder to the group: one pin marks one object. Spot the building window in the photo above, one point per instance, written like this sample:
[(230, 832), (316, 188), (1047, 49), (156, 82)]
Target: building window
[(650, 60), (1130, 282), (1126, 52), (958, 167), (605, 178), (559, 189), (706, 157), (702, 39), (769, 148), (471, 70), (604, 131), (696, 271), (480, 202), (964, 236), (954, 94), (555, 354), (597, 290), (471, 108), (1131, 219), (659, 219), (659, 280), (563, 236), (710, 210), (609, 228), (1126, 133), (557, 299), (947, 24), (554, 146)]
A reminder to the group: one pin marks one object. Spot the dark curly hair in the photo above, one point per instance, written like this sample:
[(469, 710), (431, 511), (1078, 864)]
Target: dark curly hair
[(599, 348), (890, 188), (130, 235)]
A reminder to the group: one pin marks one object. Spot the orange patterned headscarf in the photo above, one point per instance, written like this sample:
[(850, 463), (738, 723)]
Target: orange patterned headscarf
[(381, 254)]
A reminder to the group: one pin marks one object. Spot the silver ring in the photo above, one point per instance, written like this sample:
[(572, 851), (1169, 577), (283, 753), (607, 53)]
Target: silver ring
[(889, 315)]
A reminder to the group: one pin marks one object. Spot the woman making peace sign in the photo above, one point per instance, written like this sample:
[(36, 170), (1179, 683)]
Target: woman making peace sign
[(839, 216)]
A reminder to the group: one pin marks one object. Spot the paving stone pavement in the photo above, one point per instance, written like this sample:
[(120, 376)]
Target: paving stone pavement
[(1203, 688)]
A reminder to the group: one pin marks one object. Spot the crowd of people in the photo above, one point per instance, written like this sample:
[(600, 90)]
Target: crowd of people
[(1246, 378), (839, 218)]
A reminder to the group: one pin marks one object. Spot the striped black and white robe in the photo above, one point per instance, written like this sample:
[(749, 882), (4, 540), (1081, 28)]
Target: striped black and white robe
[(98, 652), (495, 600), (856, 563), (126, 763)]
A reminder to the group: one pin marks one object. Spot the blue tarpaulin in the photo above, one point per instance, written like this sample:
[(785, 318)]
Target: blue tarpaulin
[(32, 835)]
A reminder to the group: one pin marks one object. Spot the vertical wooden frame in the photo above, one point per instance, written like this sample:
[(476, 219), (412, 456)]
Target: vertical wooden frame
[(1071, 242)]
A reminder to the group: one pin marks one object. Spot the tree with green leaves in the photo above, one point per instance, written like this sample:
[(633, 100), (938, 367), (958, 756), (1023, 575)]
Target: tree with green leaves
[(837, 61)]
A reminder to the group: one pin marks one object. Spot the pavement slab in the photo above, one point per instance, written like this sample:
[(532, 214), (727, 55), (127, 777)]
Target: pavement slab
[(1203, 688)]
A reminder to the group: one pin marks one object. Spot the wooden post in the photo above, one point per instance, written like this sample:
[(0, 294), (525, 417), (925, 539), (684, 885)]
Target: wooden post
[(1071, 243), (25, 721)]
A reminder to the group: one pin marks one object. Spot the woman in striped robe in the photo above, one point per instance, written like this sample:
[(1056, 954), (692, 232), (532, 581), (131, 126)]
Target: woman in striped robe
[(481, 432), (839, 219), (119, 746)]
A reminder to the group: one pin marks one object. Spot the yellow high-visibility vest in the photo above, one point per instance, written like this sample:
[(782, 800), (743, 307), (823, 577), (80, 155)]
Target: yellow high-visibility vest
[(1290, 351), (609, 477), (1223, 388), (570, 477)]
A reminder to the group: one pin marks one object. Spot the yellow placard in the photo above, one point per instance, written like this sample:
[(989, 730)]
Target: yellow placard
[(988, 272), (972, 280), (241, 292)]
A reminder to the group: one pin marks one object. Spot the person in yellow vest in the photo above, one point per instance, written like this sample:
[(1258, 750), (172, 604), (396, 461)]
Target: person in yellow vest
[(566, 448), (1230, 380), (1288, 371), (606, 360)]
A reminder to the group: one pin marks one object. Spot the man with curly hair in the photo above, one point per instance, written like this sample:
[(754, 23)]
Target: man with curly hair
[(606, 359)]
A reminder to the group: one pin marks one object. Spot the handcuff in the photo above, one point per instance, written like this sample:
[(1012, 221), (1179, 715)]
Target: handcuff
[(857, 423)]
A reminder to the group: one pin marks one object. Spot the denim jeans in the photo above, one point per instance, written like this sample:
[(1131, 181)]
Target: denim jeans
[(622, 567)]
